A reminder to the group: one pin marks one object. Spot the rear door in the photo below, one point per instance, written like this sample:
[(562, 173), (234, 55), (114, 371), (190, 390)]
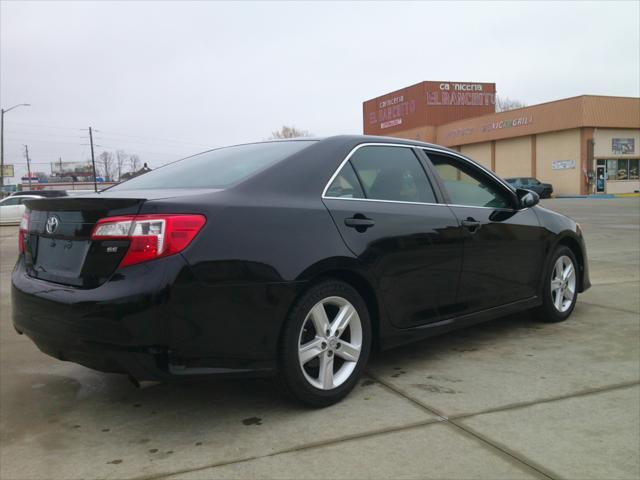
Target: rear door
[(503, 248), (388, 215)]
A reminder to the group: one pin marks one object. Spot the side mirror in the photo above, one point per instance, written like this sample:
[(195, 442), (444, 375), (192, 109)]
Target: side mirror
[(527, 198)]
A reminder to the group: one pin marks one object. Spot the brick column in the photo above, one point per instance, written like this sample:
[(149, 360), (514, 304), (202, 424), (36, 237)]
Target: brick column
[(493, 156), (586, 135), (534, 160)]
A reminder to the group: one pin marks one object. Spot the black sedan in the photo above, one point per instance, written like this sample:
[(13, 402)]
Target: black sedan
[(294, 258), (544, 190)]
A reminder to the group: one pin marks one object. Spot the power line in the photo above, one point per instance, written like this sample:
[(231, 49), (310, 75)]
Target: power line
[(43, 126), (33, 140), (152, 138), (42, 134), (112, 134), (179, 155), (33, 163), (157, 143)]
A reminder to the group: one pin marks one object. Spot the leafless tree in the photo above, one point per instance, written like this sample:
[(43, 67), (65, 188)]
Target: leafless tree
[(121, 158), (504, 104), (105, 160), (289, 132), (134, 162)]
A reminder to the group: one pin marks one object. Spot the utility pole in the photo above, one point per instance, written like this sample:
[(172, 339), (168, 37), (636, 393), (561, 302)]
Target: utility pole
[(60, 173), (2, 112), (26, 153), (93, 161)]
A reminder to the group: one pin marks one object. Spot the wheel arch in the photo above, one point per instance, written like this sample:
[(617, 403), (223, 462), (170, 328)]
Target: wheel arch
[(573, 244), (364, 288)]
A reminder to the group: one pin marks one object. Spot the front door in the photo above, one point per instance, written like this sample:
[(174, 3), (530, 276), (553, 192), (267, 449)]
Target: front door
[(388, 215), (600, 179), (503, 252)]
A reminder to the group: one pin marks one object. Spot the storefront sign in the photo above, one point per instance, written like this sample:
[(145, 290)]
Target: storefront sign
[(509, 123), (623, 146), (427, 104), (391, 111), (563, 164), (7, 171), (459, 132), (460, 98)]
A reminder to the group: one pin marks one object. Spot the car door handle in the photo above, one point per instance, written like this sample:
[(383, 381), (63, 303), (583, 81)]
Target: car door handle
[(471, 224), (359, 222)]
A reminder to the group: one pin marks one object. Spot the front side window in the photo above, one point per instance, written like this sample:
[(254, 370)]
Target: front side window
[(218, 168), (467, 187), (392, 173)]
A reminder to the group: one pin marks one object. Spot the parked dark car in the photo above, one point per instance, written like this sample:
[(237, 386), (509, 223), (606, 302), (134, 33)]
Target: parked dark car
[(544, 190), (293, 258)]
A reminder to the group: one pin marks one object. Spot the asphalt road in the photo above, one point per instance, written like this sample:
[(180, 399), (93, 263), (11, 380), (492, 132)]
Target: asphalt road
[(509, 399)]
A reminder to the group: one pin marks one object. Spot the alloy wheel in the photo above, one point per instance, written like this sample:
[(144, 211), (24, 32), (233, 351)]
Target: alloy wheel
[(563, 283), (330, 343)]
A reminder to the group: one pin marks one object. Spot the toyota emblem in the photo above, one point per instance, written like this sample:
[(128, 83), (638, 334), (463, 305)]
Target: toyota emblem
[(53, 222)]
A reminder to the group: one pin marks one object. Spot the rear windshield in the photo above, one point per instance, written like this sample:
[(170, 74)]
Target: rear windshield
[(217, 168)]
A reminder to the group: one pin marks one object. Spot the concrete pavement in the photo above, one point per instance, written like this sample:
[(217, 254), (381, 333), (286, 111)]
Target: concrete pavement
[(508, 399)]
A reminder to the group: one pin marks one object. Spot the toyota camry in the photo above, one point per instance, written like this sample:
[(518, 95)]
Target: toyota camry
[(290, 258)]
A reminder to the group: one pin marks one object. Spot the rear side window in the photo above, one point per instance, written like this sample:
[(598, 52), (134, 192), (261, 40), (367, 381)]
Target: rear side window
[(217, 168), (392, 173), (346, 184)]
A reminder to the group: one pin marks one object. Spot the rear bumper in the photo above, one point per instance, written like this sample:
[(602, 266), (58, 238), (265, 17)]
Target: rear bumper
[(154, 321)]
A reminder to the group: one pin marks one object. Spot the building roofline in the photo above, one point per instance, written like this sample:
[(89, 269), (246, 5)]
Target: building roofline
[(537, 105), (595, 111), (420, 83)]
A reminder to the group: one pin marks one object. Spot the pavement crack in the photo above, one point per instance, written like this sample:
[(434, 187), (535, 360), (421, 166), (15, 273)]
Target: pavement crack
[(634, 312), (492, 444), (297, 448)]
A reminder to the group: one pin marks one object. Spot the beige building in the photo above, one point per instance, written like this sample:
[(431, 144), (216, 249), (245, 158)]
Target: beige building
[(581, 145)]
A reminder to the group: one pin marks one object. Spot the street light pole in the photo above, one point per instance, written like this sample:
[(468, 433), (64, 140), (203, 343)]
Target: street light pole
[(2, 112)]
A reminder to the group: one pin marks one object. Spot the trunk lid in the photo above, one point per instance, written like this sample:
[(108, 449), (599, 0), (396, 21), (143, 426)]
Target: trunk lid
[(59, 247), (64, 253)]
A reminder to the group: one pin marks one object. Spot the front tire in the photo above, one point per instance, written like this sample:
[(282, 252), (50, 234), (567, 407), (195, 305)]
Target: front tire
[(325, 344), (560, 288)]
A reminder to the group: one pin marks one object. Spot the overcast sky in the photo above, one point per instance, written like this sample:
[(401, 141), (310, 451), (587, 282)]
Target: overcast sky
[(168, 79)]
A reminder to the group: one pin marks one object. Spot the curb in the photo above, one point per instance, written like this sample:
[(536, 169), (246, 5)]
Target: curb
[(603, 196)]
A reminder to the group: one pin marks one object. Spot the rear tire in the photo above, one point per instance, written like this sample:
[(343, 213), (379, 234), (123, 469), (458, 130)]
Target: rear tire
[(325, 344), (560, 287)]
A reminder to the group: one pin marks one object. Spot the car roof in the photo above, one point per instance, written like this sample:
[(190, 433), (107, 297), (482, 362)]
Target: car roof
[(356, 139), (382, 139)]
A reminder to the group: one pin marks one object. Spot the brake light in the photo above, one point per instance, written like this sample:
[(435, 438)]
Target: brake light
[(150, 236), (23, 231)]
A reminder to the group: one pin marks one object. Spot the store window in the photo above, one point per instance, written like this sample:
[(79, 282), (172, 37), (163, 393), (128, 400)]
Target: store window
[(623, 169)]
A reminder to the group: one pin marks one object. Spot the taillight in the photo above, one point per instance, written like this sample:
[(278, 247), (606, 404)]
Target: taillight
[(150, 236), (23, 231)]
